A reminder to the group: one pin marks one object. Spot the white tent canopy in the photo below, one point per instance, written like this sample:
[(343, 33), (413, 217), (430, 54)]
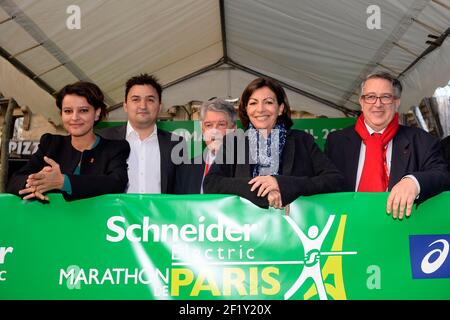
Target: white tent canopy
[(318, 49)]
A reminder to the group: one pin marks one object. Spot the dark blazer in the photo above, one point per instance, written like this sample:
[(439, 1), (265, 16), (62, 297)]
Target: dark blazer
[(445, 143), (305, 170), (190, 176), (103, 169), (414, 151), (167, 141)]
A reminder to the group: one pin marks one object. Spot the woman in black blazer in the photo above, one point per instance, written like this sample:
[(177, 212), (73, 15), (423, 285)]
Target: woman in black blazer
[(270, 164), (79, 165)]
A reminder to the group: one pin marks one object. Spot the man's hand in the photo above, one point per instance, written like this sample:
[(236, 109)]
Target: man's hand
[(213, 139), (266, 184), (402, 196), (214, 146)]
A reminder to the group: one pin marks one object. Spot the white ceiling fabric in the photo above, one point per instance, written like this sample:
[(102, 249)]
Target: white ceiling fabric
[(16, 84), (318, 48)]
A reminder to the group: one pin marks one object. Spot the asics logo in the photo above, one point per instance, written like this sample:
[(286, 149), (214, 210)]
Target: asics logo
[(431, 263)]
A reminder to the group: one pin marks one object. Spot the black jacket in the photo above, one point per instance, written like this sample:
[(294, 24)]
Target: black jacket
[(190, 176), (305, 170), (168, 142), (103, 169), (414, 152), (446, 149)]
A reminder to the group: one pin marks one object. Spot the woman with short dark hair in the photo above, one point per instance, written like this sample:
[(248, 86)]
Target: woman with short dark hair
[(271, 164), (81, 164)]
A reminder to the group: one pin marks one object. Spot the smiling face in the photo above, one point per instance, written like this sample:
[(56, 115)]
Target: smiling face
[(142, 106), (78, 116), (378, 115), (263, 109)]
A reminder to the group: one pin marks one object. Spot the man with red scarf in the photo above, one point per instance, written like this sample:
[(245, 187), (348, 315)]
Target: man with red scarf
[(378, 154)]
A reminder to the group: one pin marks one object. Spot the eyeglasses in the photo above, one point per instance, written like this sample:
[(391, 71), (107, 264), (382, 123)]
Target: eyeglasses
[(385, 98)]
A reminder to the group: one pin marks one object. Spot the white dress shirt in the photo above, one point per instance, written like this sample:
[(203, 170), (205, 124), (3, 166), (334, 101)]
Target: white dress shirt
[(362, 157), (144, 162)]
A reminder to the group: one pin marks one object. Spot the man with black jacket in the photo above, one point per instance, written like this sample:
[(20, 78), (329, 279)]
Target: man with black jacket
[(155, 154)]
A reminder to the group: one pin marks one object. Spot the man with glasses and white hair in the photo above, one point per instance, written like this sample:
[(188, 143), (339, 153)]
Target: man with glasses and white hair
[(217, 117), (379, 155)]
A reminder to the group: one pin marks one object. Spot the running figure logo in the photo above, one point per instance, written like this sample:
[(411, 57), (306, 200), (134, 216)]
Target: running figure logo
[(312, 244)]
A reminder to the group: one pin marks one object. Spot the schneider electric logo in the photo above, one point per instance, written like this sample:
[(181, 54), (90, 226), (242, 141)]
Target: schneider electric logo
[(220, 257), (430, 256)]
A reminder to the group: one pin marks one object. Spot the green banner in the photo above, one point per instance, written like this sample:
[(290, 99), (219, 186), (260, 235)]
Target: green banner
[(335, 246), (319, 128)]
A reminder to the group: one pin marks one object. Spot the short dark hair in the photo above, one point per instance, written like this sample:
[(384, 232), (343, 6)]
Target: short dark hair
[(396, 84), (88, 90), (144, 79), (280, 94)]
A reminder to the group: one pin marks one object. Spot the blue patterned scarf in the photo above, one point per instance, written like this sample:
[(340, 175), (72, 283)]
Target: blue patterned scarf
[(265, 154)]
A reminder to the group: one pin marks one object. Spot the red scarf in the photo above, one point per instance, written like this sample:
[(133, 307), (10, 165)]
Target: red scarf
[(375, 176)]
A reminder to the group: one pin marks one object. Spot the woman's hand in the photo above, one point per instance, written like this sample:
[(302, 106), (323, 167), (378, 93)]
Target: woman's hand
[(31, 192), (49, 178), (266, 184), (274, 199)]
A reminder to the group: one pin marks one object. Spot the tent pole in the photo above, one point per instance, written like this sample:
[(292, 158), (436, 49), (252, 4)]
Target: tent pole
[(30, 74), (223, 30), (435, 44)]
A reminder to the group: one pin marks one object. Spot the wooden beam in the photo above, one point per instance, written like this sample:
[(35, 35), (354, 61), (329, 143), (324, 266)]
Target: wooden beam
[(6, 136)]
